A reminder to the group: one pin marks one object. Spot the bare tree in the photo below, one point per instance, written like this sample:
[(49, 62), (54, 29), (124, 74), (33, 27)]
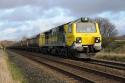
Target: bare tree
[(24, 38), (108, 30)]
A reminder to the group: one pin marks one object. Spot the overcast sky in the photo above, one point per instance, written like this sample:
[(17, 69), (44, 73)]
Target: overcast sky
[(19, 18)]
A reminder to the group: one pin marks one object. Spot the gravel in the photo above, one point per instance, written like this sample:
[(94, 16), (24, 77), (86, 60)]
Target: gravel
[(37, 73)]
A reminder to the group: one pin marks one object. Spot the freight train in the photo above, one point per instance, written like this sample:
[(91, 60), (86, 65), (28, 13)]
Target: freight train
[(79, 38)]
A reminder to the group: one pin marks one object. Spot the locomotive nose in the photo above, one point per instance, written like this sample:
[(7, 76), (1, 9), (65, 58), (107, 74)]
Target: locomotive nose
[(88, 40)]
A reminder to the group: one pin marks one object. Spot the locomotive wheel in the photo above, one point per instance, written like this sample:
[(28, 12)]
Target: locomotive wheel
[(64, 52)]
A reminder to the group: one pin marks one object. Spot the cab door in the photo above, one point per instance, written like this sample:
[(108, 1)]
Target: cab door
[(70, 35)]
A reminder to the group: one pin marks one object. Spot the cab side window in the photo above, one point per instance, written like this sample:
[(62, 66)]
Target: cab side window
[(70, 29)]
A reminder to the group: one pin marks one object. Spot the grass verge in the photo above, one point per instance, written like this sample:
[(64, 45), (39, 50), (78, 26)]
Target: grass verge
[(113, 57), (16, 72)]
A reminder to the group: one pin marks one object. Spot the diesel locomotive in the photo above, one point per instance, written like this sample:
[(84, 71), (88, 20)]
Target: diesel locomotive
[(78, 38)]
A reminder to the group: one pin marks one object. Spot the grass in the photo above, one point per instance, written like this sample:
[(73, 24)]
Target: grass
[(16, 72), (111, 56), (116, 47), (114, 51)]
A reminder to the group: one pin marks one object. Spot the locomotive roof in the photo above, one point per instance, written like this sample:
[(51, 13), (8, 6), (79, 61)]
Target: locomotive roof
[(60, 26), (75, 21)]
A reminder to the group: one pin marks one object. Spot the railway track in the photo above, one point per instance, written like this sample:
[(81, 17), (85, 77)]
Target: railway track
[(78, 70), (107, 63)]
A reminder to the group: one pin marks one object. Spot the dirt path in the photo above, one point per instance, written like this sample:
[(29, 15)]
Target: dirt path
[(5, 75)]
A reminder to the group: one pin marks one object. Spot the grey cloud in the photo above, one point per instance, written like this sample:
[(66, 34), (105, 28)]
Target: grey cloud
[(28, 13), (21, 14), (6, 24), (14, 33), (78, 7), (7, 4), (89, 7)]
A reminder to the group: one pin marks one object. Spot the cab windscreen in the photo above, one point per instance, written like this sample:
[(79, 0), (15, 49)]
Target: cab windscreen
[(85, 28)]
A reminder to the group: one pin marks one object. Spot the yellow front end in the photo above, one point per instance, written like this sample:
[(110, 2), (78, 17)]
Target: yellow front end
[(88, 38), (79, 39)]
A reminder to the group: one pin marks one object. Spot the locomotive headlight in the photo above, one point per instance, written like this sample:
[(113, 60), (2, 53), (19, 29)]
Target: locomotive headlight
[(97, 40), (78, 40)]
